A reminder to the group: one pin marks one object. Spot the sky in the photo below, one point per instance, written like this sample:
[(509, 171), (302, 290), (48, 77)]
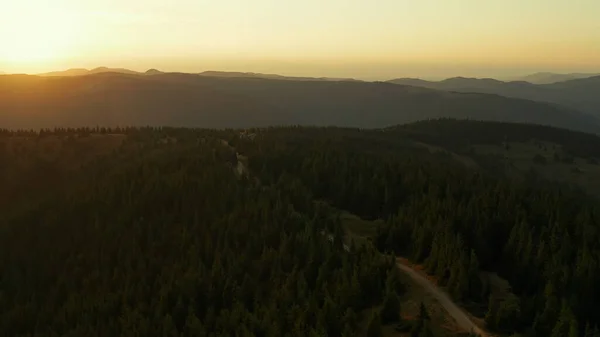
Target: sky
[(367, 39)]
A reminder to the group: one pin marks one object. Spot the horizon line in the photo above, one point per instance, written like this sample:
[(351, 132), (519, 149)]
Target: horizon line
[(505, 78)]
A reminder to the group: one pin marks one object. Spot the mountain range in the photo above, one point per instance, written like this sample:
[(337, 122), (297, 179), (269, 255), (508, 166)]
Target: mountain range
[(174, 99), (99, 70), (548, 78), (581, 94), (271, 76), (83, 71)]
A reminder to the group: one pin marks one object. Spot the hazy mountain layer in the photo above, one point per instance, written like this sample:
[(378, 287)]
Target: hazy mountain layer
[(270, 76), (100, 70), (582, 94), (548, 78), (112, 99)]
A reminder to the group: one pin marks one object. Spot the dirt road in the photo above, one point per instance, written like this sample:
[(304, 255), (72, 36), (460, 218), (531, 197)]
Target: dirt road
[(459, 316)]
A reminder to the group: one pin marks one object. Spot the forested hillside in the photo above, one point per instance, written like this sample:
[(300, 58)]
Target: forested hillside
[(187, 100), (576, 93), (164, 238), (457, 219), (183, 232)]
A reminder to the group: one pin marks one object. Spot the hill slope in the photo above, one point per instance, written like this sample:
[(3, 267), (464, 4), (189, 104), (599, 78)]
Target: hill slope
[(123, 240), (581, 94), (453, 219), (190, 100), (548, 78), (131, 245)]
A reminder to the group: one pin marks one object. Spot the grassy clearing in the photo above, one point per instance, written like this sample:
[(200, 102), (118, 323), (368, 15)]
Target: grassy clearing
[(358, 226), (467, 161), (499, 287), (549, 161)]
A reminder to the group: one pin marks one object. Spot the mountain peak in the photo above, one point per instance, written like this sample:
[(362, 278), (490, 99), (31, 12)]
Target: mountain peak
[(112, 70), (153, 72)]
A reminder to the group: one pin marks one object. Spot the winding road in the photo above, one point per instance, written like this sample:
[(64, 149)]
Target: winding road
[(457, 313)]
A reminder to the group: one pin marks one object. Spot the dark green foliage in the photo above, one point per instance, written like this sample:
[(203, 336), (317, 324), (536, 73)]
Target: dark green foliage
[(374, 326), (568, 159), (393, 283), (492, 313), (423, 314), (390, 312), (404, 326), (566, 326), (422, 326), (163, 238), (556, 157), (539, 159), (453, 219), (507, 315), (591, 331), (426, 330), (475, 285)]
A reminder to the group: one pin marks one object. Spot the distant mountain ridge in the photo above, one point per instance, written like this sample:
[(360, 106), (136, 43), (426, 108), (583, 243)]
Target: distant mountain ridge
[(549, 78), (83, 71), (212, 73), (581, 94), (460, 82), (174, 99)]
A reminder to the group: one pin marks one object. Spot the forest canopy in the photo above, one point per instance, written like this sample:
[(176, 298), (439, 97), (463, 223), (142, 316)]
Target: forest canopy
[(189, 232)]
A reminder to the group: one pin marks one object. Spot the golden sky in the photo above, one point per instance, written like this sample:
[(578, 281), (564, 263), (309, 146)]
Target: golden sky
[(371, 39)]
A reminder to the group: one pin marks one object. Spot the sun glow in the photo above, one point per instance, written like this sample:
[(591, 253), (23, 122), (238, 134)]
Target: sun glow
[(34, 36), (337, 38)]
